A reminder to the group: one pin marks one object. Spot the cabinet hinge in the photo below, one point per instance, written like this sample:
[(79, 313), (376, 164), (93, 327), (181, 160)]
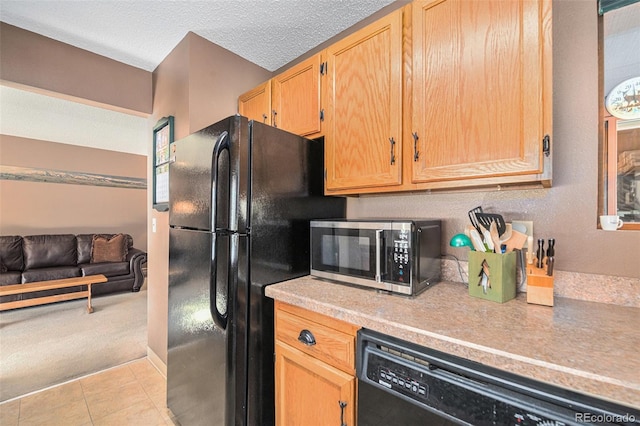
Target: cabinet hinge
[(546, 145), (325, 175), (323, 68), (322, 114)]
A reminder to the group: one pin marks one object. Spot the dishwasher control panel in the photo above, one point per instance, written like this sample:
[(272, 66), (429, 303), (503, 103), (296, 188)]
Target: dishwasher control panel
[(401, 380)]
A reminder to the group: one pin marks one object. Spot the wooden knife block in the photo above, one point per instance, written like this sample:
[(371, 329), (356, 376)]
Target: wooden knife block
[(539, 286)]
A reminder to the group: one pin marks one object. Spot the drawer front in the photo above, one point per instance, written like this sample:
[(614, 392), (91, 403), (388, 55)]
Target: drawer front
[(324, 343)]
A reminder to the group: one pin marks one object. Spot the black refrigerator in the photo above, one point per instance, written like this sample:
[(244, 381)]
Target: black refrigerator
[(241, 195)]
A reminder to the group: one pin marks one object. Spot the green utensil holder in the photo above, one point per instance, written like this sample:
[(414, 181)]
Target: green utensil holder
[(492, 276)]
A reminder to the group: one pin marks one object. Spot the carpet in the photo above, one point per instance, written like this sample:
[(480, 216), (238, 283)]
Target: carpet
[(42, 346)]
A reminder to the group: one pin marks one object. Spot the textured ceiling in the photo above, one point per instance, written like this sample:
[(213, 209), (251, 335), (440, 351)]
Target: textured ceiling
[(141, 33)]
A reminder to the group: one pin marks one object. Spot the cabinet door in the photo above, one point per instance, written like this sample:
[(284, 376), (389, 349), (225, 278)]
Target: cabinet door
[(296, 98), (256, 103), (479, 98), (363, 107), (310, 392)]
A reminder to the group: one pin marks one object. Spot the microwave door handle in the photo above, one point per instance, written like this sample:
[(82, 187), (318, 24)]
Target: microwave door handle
[(379, 239)]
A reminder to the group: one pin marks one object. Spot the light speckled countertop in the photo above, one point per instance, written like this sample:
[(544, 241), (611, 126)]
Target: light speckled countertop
[(591, 348)]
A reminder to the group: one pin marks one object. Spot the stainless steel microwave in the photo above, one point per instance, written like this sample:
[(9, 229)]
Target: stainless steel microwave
[(399, 256)]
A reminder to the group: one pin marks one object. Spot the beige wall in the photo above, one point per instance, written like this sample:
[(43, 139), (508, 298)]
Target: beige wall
[(567, 211), (45, 208), (39, 63), (198, 83)]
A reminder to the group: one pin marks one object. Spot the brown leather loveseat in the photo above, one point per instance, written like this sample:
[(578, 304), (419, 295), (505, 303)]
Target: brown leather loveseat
[(50, 257)]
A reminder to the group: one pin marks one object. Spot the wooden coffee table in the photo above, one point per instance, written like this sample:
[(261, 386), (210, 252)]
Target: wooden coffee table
[(49, 285)]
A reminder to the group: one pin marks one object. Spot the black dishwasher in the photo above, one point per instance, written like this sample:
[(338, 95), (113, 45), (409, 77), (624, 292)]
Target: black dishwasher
[(401, 383)]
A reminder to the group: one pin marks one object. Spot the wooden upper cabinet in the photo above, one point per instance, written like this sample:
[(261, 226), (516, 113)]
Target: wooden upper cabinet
[(362, 95), (256, 103), (296, 98), (481, 91)]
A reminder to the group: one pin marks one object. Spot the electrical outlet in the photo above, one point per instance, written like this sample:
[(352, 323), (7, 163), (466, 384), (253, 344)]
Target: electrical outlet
[(524, 226)]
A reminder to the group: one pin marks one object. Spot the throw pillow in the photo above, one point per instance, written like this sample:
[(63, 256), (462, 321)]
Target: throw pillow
[(104, 249)]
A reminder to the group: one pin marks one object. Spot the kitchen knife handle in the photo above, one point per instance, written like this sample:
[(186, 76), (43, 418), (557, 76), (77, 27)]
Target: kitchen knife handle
[(551, 250), (540, 252)]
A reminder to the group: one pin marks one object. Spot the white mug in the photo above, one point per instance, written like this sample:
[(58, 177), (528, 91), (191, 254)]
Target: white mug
[(610, 222)]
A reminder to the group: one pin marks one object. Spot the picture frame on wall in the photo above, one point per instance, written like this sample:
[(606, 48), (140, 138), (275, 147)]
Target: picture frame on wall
[(162, 138)]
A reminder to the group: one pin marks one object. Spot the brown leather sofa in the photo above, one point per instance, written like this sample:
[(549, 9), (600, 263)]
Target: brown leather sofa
[(51, 257)]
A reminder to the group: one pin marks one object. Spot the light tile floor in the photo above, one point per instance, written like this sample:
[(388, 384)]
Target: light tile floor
[(131, 394)]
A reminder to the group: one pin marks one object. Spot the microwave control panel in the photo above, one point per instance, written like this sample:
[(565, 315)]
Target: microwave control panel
[(400, 268)]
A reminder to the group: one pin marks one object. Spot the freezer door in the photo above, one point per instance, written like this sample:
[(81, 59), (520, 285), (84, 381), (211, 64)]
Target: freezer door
[(199, 174), (201, 363)]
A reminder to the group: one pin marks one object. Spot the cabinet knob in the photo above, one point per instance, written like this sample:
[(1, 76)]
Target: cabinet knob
[(416, 154), (306, 337)]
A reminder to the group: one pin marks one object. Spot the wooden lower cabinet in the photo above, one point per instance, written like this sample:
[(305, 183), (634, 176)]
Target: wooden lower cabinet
[(311, 392), (315, 369)]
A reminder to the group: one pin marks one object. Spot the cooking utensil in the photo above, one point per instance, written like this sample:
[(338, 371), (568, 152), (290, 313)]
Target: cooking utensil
[(487, 238), (468, 229), (506, 234), (472, 217), (476, 240), (516, 241), (495, 237), (485, 220), (530, 250)]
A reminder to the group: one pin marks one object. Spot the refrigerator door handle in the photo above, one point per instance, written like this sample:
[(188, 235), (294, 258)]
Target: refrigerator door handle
[(218, 301), (218, 313), (221, 144)]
